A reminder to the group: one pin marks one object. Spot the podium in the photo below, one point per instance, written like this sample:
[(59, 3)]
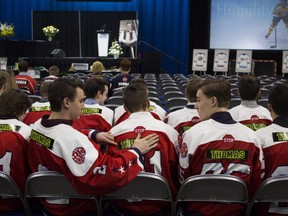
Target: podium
[(103, 42)]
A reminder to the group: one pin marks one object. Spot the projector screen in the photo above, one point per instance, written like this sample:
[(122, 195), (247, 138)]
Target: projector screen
[(245, 24)]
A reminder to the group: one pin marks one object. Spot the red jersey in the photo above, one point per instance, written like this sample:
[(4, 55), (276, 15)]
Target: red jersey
[(37, 111), (25, 81), (13, 157)]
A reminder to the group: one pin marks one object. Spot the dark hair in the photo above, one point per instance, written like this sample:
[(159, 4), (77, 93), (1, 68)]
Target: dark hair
[(94, 85), (125, 64), (135, 98), (192, 87), (23, 66), (63, 88), (278, 98), (249, 87), (217, 88), (13, 102), (44, 88)]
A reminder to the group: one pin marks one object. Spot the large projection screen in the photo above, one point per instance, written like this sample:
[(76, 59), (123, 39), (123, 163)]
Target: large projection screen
[(244, 24)]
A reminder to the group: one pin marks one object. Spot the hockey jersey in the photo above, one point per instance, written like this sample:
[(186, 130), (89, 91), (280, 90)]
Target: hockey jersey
[(14, 136), (183, 119), (95, 116), (253, 117), (38, 109), (162, 160), (120, 114), (56, 146), (274, 141), (221, 146), (26, 82), (120, 81)]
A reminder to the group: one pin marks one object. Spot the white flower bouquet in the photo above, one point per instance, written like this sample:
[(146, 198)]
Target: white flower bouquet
[(115, 49)]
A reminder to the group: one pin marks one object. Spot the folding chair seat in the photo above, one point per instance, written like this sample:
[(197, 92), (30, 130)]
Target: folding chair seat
[(153, 94), (34, 98), (176, 101), (50, 184), (171, 94), (263, 102), (115, 100), (234, 92), (8, 188), (272, 190), (212, 188), (156, 100), (234, 102), (146, 186), (264, 93)]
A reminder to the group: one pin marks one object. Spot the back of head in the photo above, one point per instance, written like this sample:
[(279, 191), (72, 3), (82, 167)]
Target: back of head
[(125, 65), (23, 66), (44, 89), (54, 70), (278, 99), (4, 76), (14, 103), (63, 88), (93, 86), (135, 98), (139, 82), (192, 87), (249, 87), (217, 88), (97, 67)]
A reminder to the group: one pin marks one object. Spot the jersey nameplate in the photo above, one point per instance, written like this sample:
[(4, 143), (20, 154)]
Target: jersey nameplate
[(230, 154), (125, 144), (40, 108), (254, 126), (9, 127), (42, 139), (91, 111), (280, 136)]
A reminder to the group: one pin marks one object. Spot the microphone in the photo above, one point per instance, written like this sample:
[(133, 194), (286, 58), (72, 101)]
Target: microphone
[(103, 27)]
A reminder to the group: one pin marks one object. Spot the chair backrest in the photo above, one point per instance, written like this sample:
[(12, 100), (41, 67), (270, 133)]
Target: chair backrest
[(115, 100), (172, 94), (146, 186), (234, 102), (8, 188), (263, 102), (34, 98), (213, 188), (50, 184), (273, 189)]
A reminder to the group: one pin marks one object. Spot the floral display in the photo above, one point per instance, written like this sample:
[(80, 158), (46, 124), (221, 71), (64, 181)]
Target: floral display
[(50, 32), (6, 30), (115, 49)]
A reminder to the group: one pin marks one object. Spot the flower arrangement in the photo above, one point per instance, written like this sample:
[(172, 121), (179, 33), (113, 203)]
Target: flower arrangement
[(115, 49), (50, 31), (6, 30)]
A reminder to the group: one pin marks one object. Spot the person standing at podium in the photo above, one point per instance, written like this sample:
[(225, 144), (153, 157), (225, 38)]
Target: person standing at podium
[(128, 40)]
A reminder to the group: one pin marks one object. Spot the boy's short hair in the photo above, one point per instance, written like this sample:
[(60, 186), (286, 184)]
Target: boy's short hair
[(249, 87), (278, 98), (54, 70), (125, 65)]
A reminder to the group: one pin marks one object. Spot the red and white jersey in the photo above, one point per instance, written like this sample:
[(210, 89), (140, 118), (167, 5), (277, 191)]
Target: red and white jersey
[(120, 114), (252, 117), (95, 116), (14, 137), (25, 81), (183, 119), (56, 146), (162, 160), (274, 141), (221, 146), (37, 111)]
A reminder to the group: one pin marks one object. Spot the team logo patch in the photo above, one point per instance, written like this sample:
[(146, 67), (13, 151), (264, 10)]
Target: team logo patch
[(183, 149), (139, 129), (78, 155), (254, 118), (125, 79), (195, 119), (228, 138)]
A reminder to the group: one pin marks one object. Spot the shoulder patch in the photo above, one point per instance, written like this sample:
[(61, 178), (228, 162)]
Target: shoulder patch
[(88, 111), (78, 155), (280, 136), (42, 139), (9, 127)]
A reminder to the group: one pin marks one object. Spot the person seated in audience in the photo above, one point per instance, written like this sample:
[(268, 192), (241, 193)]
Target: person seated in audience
[(185, 118), (219, 145), (94, 115), (97, 69), (120, 114), (14, 145), (39, 108), (12, 80), (162, 160), (121, 80), (56, 146), (53, 74), (274, 141), (249, 112), (4, 76), (23, 80)]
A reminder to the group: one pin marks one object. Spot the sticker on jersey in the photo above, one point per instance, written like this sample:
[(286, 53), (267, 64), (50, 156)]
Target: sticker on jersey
[(195, 120), (87, 111), (125, 79), (78, 155), (9, 127), (139, 129), (280, 136), (183, 149), (228, 138), (227, 154), (126, 144), (42, 139), (40, 108), (151, 108)]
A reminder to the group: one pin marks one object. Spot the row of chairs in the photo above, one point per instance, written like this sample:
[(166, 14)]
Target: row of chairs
[(149, 186)]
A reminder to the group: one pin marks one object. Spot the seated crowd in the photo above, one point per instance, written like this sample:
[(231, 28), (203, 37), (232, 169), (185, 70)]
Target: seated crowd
[(71, 130)]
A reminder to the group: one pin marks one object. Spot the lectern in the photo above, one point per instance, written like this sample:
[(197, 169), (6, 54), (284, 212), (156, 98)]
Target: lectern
[(103, 42)]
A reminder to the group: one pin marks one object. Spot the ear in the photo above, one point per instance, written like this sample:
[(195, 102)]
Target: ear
[(66, 103), (98, 94), (214, 102)]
